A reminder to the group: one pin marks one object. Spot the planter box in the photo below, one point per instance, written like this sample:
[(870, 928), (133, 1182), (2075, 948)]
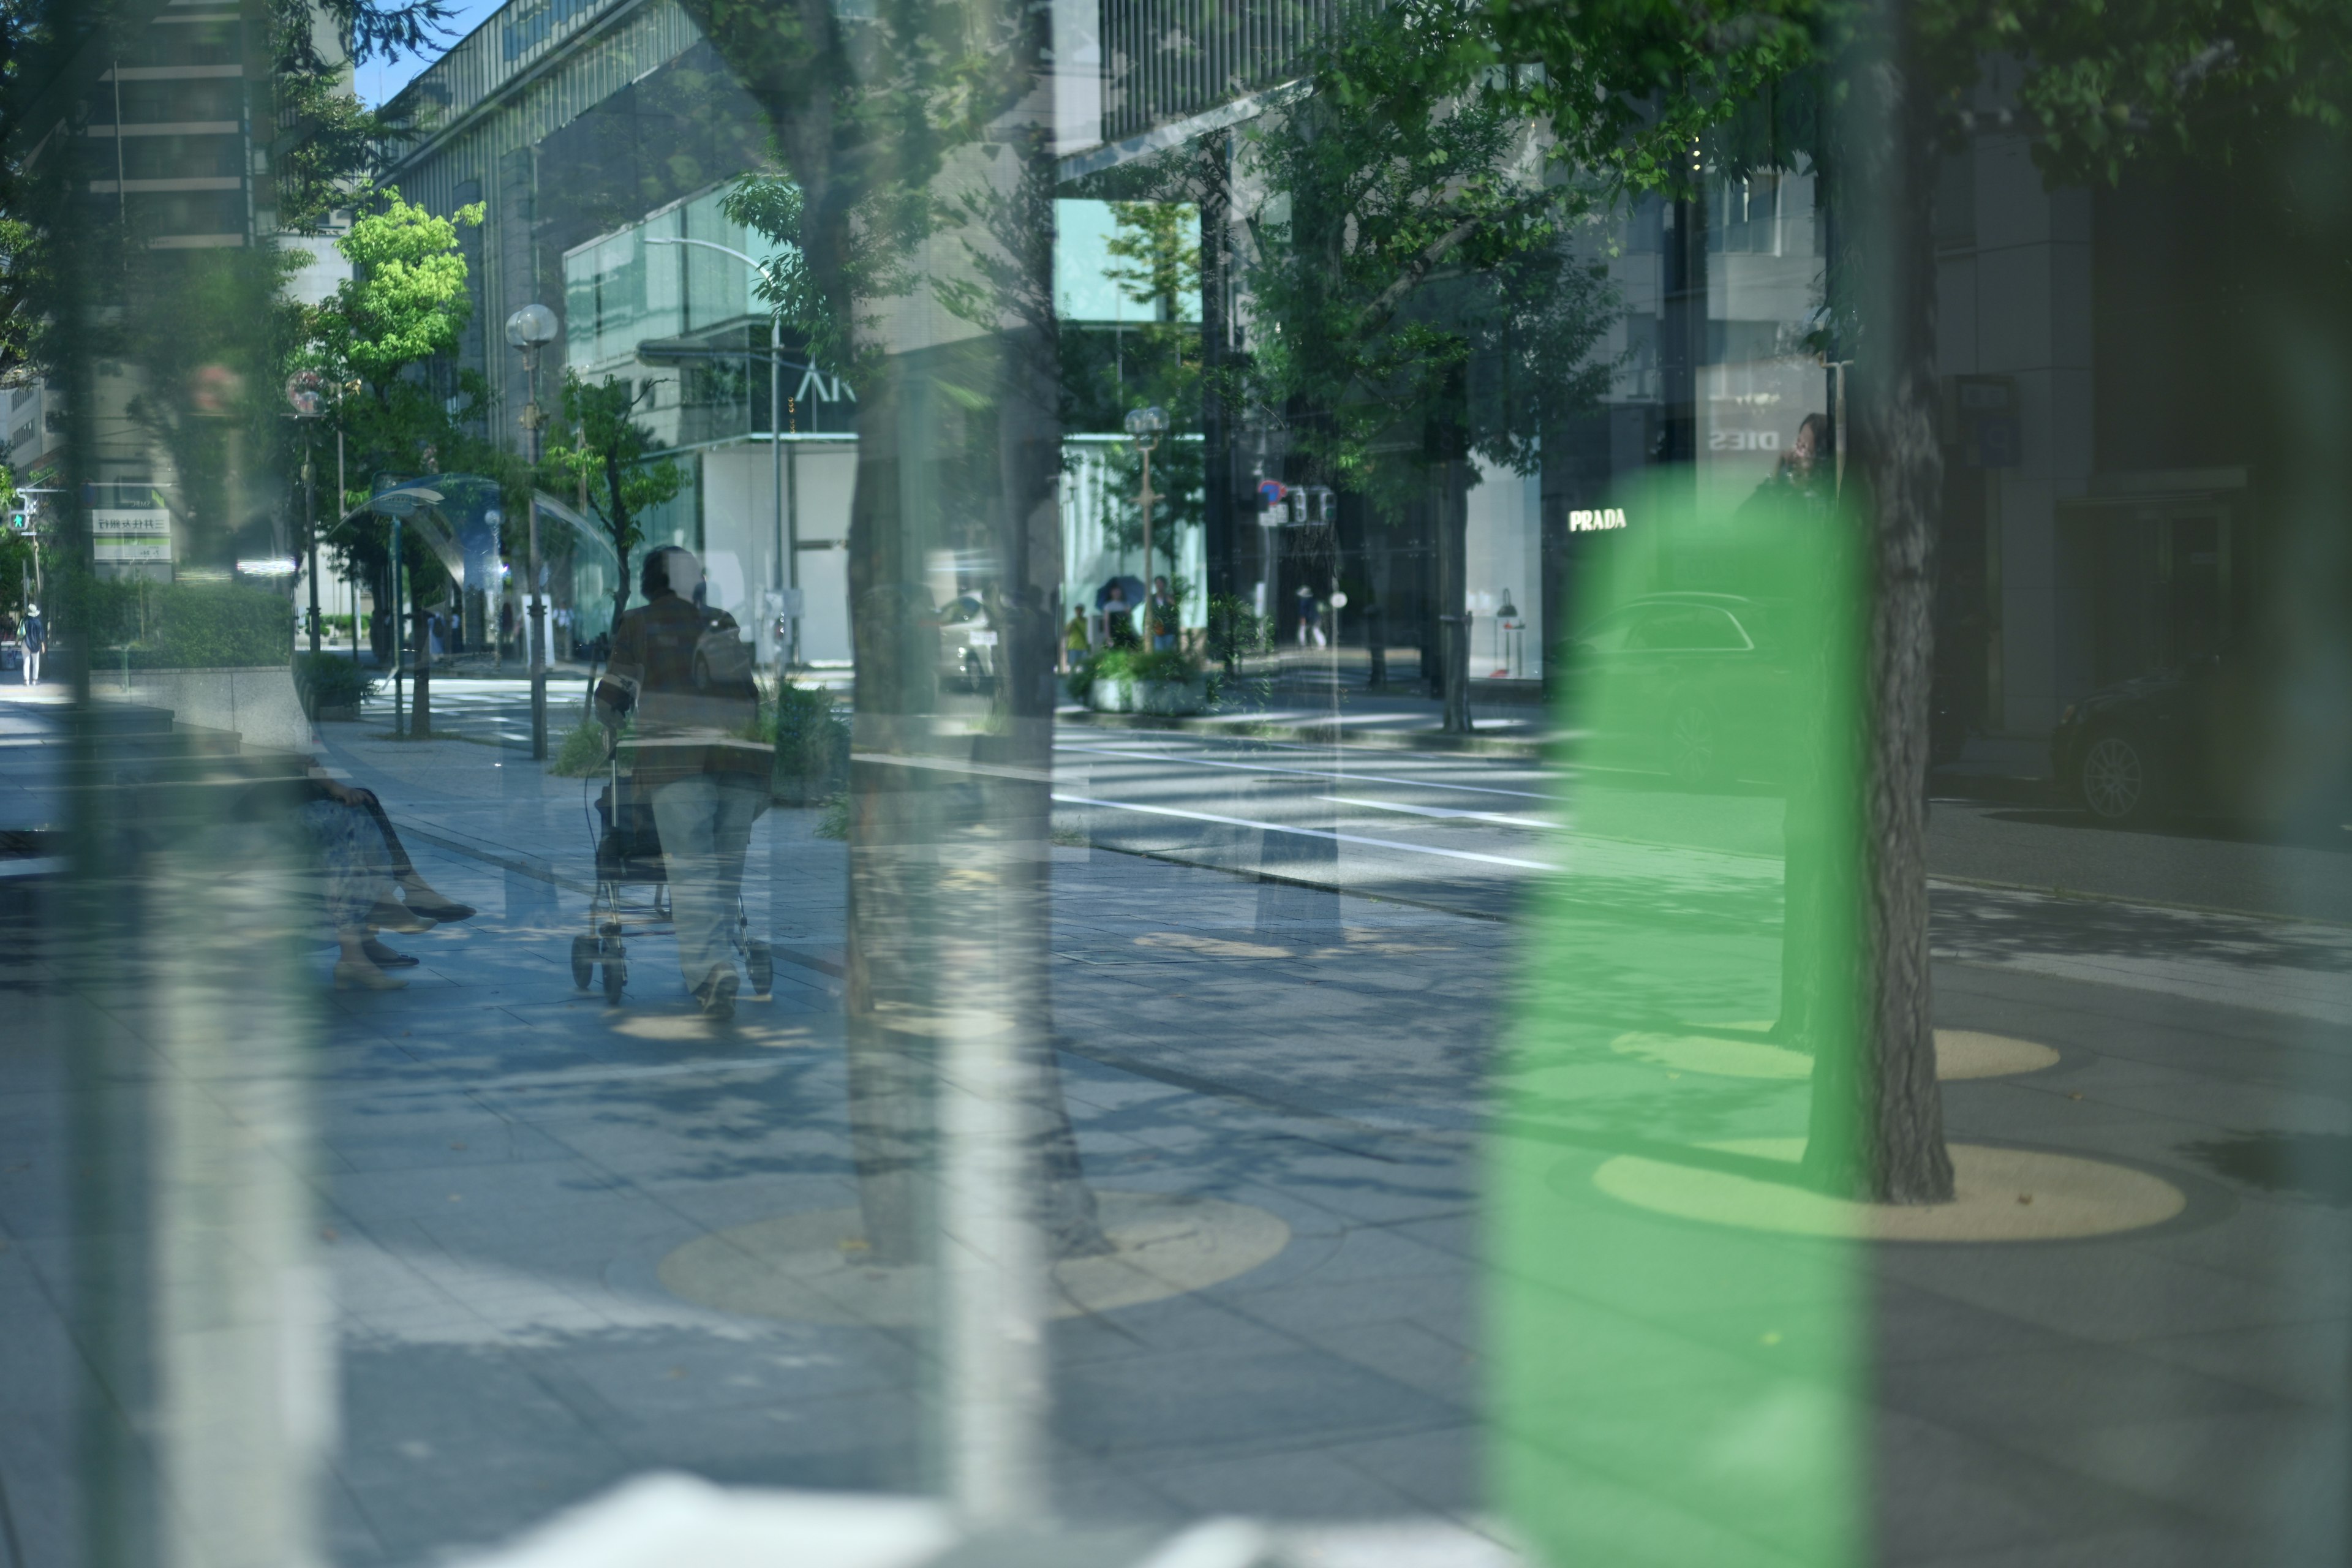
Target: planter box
[(1167, 698)]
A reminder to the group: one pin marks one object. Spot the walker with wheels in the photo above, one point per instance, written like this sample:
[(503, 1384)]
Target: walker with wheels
[(629, 855)]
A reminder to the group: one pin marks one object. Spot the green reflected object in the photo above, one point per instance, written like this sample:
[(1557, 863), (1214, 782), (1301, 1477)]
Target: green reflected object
[(1667, 1390)]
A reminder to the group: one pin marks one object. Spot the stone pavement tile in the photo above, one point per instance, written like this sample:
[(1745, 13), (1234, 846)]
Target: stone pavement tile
[(1619, 1513), (1300, 1485), (1462, 1233), (2277, 1472), (533, 1184), (1370, 1190), (2296, 1246), (2173, 1546), (447, 1138), (723, 1203), (1309, 1309), (2310, 1364), (1089, 1491), (1411, 1354), (1760, 1269), (1187, 1324), (450, 1403), (2034, 1110), (2109, 1290), (1349, 1256), (1996, 1397), (350, 1535), (428, 1501), (619, 1380), (658, 1151), (2237, 1104), (1187, 1405), (1942, 1496), (1437, 1469), (579, 1242), (1918, 1325), (864, 1440)]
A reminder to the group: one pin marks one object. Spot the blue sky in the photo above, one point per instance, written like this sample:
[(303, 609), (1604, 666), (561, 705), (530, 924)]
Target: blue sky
[(379, 79)]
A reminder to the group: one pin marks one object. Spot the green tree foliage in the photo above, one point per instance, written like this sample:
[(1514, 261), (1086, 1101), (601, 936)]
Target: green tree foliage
[(833, 314), (1155, 253), (406, 301), (1414, 263), (327, 139), (601, 448), (374, 340)]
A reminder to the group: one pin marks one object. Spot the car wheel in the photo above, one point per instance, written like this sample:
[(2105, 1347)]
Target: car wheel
[(1695, 757), (2116, 782)]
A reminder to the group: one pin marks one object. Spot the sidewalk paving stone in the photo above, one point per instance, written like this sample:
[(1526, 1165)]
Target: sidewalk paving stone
[(2142, 1399)]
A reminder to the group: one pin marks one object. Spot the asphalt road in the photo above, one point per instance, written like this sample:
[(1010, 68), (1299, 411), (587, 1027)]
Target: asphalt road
[(1467, 832)]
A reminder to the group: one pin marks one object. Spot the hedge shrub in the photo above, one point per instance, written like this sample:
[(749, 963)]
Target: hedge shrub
[(332, 680)]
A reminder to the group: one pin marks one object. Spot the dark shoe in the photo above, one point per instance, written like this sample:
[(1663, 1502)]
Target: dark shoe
[(716, 992), (390, 914), (423, 901), (384, 957)]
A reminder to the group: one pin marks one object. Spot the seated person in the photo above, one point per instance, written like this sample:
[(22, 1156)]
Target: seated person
[(684, 672), (363, 863)]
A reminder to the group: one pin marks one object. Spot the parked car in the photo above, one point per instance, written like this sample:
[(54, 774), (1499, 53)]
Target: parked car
[(967, 641), (2218, 735), (1691, 685), (1697, 687)]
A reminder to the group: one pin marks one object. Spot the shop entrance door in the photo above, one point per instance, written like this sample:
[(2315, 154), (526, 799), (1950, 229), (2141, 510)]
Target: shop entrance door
[(2156, 584)]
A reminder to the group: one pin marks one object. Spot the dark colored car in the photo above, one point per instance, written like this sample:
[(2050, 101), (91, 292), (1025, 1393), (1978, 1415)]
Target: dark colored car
[(2212, 737), (2121, 751)]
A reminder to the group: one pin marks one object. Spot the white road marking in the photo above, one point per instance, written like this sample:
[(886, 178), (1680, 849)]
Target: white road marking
[(1446, 813), (1135, 756), (1309, 833)]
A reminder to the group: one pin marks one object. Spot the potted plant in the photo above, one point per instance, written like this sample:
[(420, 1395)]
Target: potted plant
[(1131, 681)]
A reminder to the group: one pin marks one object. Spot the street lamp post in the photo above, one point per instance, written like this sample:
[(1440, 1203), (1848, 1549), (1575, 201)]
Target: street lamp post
[(531, 329), (1146, 424), (788, 543)]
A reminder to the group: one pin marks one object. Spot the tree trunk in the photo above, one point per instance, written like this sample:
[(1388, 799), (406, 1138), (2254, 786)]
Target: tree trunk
[(1453, 593), (1878, 1123), (420, 710), (619, 525)]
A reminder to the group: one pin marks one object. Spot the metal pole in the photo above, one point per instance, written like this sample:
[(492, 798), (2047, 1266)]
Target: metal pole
[(310, 514), (535, 623), (776, 466), (1147, 499), (792, 534), (399, 660), (340, 489)]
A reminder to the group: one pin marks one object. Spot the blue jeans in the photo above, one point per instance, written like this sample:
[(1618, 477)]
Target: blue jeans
[(706, 825)]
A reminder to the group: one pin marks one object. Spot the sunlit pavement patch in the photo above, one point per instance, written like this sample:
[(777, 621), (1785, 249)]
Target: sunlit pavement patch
[(808, 1268), (1742, 1051), (2003, 1195), (693, 1027)]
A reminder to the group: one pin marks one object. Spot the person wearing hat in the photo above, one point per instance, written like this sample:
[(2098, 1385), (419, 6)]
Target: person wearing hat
[(33, 638)]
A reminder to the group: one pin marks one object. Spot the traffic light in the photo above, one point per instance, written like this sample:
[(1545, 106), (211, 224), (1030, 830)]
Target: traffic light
[(20, 520)]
